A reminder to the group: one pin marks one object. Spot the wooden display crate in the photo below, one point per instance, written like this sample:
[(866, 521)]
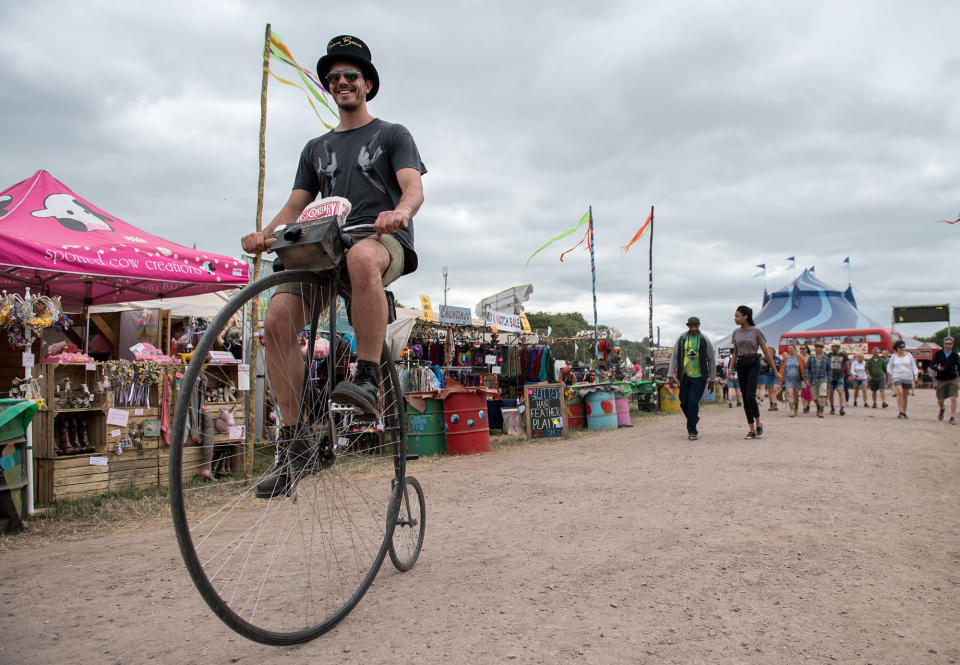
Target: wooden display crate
[(190, 466), (135, 467), (69, 478), (135, 419), (45, 433)]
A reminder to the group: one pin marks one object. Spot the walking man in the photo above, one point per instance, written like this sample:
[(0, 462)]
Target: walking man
[(877, 376), (692, 359), (839, 369), (817, 371), (947, 365)]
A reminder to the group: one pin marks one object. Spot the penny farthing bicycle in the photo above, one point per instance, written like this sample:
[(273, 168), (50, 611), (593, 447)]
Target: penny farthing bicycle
[(286, 569)]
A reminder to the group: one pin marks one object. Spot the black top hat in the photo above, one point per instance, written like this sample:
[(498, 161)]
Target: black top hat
[(350, 49)]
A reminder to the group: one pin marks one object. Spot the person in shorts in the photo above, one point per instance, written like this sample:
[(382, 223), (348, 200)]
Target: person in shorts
[(858, 378), (876, 368), (839, 370), (947, 365), (767, 380), (817, 374), (376, 166)]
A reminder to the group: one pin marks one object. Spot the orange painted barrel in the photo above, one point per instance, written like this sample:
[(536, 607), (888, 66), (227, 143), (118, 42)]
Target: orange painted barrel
[(465, 422)]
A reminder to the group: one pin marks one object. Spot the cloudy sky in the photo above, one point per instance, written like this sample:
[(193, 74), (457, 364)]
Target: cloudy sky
[(759, 131)]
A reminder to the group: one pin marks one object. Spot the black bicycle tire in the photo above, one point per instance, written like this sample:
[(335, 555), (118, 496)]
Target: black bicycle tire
[(178, 509), (404, 566)]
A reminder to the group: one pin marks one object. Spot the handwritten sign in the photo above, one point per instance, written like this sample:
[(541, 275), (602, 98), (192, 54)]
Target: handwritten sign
[(546, 409), (427, 308), (243, 377), (504, 321), (458, 316), (99, 461), (118, 417)]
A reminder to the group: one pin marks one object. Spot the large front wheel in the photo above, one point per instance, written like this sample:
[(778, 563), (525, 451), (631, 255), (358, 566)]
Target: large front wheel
[(286, 568)]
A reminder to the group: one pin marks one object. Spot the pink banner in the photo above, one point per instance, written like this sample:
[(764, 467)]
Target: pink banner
[(56, 242)]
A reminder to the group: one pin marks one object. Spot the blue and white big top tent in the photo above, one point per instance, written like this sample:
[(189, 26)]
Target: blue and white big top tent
[(807, 304)]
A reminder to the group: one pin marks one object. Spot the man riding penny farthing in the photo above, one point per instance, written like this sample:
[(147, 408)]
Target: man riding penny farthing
[(282, 552)]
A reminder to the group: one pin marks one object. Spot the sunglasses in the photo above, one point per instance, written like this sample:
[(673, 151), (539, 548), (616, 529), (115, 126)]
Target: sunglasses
[(333, 77)]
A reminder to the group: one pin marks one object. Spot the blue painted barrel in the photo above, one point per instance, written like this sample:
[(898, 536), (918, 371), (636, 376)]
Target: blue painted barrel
[(601, 410)]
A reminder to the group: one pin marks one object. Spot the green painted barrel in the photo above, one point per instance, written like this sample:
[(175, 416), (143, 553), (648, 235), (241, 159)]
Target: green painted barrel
[(425, 430)]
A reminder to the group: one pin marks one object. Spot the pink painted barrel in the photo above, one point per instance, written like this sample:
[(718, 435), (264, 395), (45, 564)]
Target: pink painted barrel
[(623, 410), (465, 421)]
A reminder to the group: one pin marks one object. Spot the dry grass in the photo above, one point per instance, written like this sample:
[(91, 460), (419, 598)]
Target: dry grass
[(133, 508)]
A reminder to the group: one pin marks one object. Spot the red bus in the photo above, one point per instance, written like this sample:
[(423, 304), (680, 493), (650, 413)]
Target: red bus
[(862, 340)]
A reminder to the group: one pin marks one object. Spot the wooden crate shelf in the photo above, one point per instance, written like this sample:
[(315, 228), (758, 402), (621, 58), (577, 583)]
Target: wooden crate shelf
[(70, 478), (135, 467)]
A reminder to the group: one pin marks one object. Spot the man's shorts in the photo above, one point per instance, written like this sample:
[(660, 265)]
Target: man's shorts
[(947, 389), (393, 272), (767, 379), (818, 389), (836, 384), (877, 384), (733, 383)]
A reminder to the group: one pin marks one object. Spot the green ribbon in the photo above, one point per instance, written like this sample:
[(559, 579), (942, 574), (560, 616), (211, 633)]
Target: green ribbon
[(583, 220)]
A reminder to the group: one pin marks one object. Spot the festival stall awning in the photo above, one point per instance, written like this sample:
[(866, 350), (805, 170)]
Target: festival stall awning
[(57, 243)]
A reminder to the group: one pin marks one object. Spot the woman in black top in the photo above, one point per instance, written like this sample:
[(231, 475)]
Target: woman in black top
[(747, 340)]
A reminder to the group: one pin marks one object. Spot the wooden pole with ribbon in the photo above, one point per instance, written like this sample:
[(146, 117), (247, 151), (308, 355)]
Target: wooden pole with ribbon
[(650, 295), (250, 434)]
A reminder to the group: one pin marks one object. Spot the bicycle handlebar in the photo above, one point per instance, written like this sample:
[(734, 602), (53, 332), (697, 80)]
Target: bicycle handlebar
[(269, 240)]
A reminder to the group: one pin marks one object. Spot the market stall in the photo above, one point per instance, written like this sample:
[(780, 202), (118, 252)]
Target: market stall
[(56, 247)]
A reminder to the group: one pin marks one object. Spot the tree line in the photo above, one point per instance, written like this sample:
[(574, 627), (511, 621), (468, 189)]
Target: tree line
[(568, 324)]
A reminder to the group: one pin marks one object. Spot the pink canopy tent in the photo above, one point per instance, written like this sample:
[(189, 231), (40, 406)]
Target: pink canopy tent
[(54, 242)]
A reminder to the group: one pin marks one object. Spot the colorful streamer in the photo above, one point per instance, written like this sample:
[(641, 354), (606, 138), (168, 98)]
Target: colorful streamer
[(947, 221), (585, 234), (626, 248), (583, 220), (311, 86)]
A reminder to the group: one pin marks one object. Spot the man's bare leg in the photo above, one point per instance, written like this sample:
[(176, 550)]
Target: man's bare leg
[(286, 316), (367, 260)]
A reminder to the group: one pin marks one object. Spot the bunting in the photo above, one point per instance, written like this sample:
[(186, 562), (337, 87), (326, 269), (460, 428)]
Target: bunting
[(585, 220), (311, 86), (646, 224)]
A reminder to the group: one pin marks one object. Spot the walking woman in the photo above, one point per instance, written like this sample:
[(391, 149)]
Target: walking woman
[(791, 376), (902, 372), (805, 396), (747, 341)]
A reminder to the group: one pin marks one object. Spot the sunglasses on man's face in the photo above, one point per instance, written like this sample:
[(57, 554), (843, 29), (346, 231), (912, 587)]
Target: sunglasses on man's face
[(334, 77)]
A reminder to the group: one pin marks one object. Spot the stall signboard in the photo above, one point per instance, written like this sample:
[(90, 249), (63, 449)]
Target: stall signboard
[(427, 308), (546, 409), (504, 321), (524, 323), (458, 316)]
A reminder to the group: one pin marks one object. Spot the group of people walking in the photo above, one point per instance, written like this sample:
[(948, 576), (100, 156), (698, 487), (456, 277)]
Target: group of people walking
[(808, 379)]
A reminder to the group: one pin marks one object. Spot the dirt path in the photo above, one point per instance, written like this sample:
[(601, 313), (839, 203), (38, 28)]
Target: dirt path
[(834, 540)]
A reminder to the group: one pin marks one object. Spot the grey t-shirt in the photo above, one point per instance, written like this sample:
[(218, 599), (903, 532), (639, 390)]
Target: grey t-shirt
[(747, 340), (361, 165)]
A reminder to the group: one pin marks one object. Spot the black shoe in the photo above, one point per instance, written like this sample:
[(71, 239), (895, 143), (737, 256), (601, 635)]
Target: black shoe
[(842, 413), (885, 405), (363, 391), (874, 405), (759, 430), (298, 458), (833, 411), (750, 435), (940, 417), (905, 416)]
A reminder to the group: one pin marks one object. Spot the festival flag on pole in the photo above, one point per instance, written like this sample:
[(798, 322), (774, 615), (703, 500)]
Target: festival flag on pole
[(585, 220), (793, 262), (847, 260), (313, 87), (763, 270), (626, 248), (947, 221)]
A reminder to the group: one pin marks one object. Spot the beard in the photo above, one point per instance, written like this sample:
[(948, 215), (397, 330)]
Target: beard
[(359, 97)]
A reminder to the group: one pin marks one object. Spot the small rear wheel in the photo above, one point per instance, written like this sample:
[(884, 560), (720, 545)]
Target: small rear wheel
[(411, 526)]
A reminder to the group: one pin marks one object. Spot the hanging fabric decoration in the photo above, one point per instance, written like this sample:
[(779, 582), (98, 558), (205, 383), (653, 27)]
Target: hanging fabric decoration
[(947, 221), (313, 88), (586, 235), (585, 220), (626, 248)]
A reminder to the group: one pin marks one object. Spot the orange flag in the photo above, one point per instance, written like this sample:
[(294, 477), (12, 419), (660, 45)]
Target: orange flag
[(643, 228)]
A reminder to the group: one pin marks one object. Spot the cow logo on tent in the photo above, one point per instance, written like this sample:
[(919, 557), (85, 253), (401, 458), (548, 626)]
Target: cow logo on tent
[(73, 214)]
